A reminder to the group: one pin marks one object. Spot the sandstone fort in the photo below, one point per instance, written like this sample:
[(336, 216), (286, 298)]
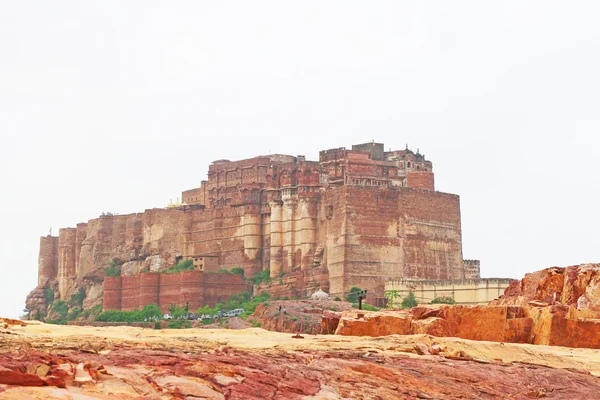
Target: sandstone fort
[(356, 217)]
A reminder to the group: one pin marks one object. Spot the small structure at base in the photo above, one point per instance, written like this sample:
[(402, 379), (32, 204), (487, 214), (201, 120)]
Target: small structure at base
[(319, 295)]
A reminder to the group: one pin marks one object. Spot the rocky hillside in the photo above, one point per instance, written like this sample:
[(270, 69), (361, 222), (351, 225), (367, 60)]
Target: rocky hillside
[(40, 361)]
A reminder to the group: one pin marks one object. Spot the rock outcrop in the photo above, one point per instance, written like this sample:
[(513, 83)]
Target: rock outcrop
[(552, 325), (555, 306), (576, 286)]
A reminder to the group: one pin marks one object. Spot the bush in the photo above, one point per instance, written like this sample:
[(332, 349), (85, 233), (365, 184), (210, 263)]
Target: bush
[(73, 314), (92, 311), (262, 276), (113, 269), (121, 316), (443, 300), (286, 298), (352, 297), (77, 299), (157, 325), (49, 295), (179, 324), (409, 301), (177, 311), (337, 298), (255, 324), (186, 265), (61, 308), (151, 311)]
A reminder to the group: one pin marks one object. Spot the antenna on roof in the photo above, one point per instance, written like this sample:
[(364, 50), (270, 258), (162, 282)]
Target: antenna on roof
[(406, 146)]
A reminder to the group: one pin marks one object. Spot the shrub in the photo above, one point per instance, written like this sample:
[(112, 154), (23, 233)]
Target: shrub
[(186, 265), (409, 301), (337, 298), (121, 316), (61, 308), (157, 325), (151, 311), (286, 298), (294, 319), (113, 269), (179, 324), (443, 300), (49, 295), (255, 324), (92, 311), (177, 311), (73, 314), (77, 298), (262, 276), (352, 297)]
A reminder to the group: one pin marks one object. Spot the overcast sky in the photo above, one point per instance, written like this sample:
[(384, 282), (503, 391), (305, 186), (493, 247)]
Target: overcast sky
[(118, 106)]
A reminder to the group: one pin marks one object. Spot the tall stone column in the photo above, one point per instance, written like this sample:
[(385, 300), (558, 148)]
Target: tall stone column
[(48, 259), (288, 225), (252, 243), (306, 231), (276, 238), (66, 273)]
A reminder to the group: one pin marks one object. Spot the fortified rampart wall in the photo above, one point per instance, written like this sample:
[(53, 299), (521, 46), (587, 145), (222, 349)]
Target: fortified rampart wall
[(196, 288)]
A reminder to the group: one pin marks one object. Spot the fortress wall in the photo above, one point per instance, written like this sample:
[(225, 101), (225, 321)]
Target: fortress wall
[(79, 238), (130, 292), (331, 235), (192, 290), (306, 231), (432, 231), (276, 238), (48, 259), (149, 289), (420, 180), (219, 287), (218, 232), (373, 245), (170, 290), (66, 260), (162, 232), (252, 233), (112, 293)]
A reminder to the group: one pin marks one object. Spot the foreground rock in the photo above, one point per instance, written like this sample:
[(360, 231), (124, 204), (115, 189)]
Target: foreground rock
[(125, 362), (555, 325)]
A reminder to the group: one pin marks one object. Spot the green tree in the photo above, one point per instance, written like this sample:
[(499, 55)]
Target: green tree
[(352, 297), (391, 296), (49, 295), (61, 308), (409, 301), (151, 311), (113, 269)]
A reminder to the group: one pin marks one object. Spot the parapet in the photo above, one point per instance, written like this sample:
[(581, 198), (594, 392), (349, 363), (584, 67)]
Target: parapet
[(472, 269)]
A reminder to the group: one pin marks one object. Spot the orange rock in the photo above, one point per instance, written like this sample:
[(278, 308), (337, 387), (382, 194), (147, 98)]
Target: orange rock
[(20, 379)]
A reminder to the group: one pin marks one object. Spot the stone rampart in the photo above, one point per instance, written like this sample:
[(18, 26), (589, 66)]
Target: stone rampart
[(126, 293)]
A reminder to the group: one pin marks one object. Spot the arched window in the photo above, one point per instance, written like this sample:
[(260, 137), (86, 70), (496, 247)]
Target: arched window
[(408, 164)]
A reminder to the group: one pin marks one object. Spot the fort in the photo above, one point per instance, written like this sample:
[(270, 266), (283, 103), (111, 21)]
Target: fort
[(356, 217)]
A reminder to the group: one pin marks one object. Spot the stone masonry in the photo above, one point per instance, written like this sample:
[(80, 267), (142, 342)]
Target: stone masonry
[(361, 217)]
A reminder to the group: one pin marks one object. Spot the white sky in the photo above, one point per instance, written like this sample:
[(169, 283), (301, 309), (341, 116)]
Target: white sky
[(118, 106)]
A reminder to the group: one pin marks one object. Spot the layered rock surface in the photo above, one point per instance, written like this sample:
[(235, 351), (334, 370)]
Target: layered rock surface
[(555, 306), (41, 361)]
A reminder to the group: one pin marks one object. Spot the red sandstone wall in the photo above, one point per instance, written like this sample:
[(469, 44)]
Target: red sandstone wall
[(373, 251), (431, 225), (219, 287), (192, 289), (112, 293), (126, 293), (149, 289), (66, 260), (420, 180), (170, 290), (48, 259), (130, 292)]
